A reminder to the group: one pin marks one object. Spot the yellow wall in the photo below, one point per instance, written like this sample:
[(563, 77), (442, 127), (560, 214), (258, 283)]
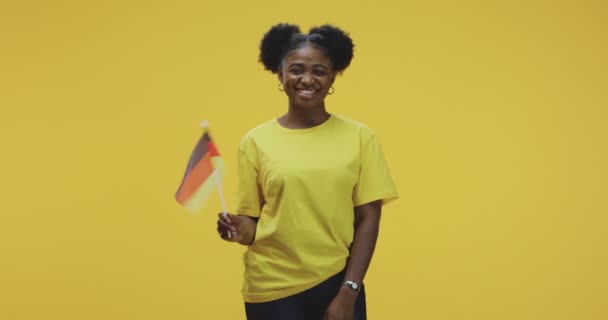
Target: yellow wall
[(492, 115)]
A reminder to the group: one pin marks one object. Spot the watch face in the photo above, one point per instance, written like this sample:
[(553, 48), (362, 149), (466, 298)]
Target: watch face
[(353, 285)]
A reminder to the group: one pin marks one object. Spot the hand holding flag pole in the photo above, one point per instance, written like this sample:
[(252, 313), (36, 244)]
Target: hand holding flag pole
[(197, 183)]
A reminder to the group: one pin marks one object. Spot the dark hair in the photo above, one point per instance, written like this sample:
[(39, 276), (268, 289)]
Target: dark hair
[(283, 38)]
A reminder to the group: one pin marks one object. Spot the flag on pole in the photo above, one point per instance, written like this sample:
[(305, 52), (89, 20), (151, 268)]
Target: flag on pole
[(205, 170)]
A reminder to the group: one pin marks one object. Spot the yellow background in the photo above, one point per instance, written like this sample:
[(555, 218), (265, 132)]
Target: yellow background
[(492, 115)]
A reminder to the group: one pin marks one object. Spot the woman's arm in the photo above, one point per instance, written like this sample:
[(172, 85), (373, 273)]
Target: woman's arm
[(367, 223)]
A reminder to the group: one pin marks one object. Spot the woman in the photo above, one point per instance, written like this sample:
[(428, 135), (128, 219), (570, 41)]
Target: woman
[(311, 189)]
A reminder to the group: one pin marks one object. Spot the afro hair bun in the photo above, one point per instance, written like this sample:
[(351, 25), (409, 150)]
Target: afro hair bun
[(274, 43), (338, 44)]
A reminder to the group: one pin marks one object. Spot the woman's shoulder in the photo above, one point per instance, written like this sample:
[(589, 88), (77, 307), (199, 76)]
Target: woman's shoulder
[(260, 129), (258, 132), (353, 124)]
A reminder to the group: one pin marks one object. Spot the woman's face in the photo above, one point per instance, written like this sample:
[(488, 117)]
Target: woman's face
[(307, 74)]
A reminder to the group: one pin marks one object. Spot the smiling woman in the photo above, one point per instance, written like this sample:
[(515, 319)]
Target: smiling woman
[(311, 189)]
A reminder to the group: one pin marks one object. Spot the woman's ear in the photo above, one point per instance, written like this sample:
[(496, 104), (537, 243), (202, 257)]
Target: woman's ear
[(280, 74), (333, 77)]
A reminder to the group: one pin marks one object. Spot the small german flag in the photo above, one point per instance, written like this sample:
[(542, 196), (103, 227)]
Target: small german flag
[(204, 172)]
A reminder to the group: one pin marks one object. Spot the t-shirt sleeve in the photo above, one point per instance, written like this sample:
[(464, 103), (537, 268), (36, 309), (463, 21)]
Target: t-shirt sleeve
[(375, 180), (249, 194)]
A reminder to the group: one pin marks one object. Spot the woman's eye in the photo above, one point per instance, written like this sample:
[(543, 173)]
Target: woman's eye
[(296, 71), (319, 72)]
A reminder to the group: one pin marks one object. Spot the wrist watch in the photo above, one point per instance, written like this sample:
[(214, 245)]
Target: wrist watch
[(352, 285)]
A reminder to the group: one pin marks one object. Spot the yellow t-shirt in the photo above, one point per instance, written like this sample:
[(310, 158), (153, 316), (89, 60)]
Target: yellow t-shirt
[(303, 184)]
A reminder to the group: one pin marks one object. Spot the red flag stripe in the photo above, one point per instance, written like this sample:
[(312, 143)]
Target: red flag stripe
[(212, 150), (193, 179)]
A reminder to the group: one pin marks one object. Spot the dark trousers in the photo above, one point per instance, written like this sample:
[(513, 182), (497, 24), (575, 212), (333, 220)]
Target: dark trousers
[(308, 305)]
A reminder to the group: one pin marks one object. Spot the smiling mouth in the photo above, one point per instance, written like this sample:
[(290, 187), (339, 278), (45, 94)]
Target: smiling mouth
[(307, 92)]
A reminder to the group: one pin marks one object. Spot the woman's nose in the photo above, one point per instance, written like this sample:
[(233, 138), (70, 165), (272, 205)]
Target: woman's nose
[(306, 78)]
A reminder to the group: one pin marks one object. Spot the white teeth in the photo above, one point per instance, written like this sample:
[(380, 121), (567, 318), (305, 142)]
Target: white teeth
[(308, 91)]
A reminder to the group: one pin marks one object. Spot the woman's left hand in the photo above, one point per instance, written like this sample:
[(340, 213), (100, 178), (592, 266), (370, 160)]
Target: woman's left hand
[(343, 305)]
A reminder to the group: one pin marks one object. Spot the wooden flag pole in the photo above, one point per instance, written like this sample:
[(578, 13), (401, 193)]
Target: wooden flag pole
[(218, 182)]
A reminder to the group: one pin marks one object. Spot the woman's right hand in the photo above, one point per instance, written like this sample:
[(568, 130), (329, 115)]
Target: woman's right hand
[(233, 228)]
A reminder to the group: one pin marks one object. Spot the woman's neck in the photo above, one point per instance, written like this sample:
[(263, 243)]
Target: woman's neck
[(301, 118)]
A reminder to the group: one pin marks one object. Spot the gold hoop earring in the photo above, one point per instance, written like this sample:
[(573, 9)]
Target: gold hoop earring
[(281, 87), (331, 90)]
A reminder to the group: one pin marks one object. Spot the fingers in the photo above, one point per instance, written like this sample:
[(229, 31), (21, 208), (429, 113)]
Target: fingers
[(230, 218), (225, 228), (227, 235), (225, 216)]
